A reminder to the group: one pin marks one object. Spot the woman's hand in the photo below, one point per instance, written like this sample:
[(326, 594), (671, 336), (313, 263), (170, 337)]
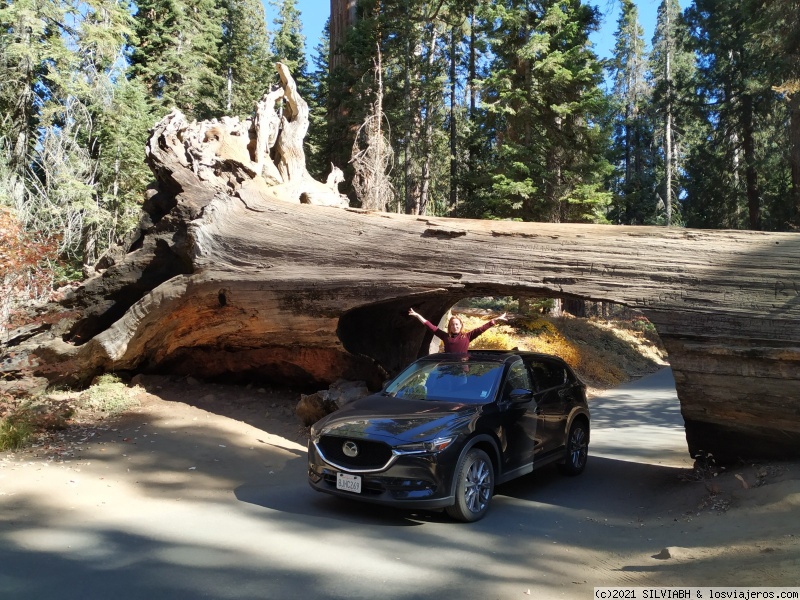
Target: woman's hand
[(416, 315)]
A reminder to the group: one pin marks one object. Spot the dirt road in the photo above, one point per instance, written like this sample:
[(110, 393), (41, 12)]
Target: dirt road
[(201, 493)]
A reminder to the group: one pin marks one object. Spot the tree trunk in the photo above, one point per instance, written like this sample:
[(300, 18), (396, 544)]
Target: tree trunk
[(453, 130), (343, 17), (427, 142), (668, 122), (294, 126), (794, 144), (575, 307), (525, 305), (751, 175)]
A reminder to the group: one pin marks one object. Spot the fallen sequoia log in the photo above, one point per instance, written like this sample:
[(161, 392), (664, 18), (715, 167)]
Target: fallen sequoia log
[(237, 273)]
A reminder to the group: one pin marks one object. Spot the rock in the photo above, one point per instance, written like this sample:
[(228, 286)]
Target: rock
[(342, 392), (663, 555), (313, 407), (26, 386), (674, 552)]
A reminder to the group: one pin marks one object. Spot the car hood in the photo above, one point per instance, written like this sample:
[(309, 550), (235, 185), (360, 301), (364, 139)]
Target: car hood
[(397, 420)]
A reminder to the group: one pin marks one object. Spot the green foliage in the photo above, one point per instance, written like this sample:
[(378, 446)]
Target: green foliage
[(108, 394), (69, 153), (178, 56), (542, 103), (496, 304), (247, 56), (15, 431), (633, 180), (318, 142), (742, 153), (672, 69), (21, 419), (65, 272), (123, 177), (288, 41)]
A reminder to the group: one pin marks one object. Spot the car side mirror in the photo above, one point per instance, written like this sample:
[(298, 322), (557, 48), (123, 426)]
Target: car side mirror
[(520, 396)]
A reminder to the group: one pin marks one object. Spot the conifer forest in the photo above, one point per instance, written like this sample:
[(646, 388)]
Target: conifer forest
[(483, 109)]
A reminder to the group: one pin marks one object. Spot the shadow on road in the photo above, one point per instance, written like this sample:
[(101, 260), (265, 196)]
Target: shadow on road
[(609, 483)]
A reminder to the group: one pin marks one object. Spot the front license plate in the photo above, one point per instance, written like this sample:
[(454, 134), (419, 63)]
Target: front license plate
[(349, 483)]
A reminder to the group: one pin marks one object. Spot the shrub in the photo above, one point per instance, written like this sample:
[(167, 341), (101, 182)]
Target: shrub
[(574, 340), (25, 267), (108, 394), (494, 339), (15, 430)]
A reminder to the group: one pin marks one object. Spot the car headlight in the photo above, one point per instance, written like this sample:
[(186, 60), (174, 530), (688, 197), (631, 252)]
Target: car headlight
[(431, 447)]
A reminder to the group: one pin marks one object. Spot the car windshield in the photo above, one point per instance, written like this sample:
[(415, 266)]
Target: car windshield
[(457, 380)]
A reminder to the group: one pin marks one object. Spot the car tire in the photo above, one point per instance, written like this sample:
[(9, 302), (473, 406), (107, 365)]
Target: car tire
[(577, 452), (474, 487)]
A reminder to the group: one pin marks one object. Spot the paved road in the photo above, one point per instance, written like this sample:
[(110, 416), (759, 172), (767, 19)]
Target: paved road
[(641, 422), (220, 518)]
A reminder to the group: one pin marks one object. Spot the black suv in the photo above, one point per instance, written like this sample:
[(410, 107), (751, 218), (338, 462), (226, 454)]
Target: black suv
[(451, 426)]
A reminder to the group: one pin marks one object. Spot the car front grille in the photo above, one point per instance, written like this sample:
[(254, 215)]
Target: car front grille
[(371, 455)]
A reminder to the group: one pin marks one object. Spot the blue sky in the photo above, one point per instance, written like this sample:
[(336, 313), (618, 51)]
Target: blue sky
[(314, 13)]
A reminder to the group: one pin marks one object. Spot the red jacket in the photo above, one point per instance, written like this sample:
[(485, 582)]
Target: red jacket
[(458, 343)]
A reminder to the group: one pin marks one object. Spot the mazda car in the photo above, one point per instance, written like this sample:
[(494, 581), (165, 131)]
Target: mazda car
[(449, 428)]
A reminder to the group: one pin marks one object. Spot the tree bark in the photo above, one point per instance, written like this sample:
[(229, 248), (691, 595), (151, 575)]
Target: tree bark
[(751, 175), (343, 17), (294, 126), (453, 130), (668, 120), (794, 160)]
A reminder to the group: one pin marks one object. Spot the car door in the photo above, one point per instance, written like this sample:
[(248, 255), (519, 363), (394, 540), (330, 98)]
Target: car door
[(552, 405), (520, 421)]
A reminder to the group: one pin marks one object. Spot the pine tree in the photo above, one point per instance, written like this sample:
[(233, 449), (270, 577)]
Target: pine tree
[(777, 34), (672, 68), (351, 81), (122, 175), (288, 41), (416, 42), (634, 184), (90, 96), (412, 39), (729, 175), (318, 143), (30, 46), (542, 98), (68, 59), (461, 95), (178, 56), (247, 56)]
